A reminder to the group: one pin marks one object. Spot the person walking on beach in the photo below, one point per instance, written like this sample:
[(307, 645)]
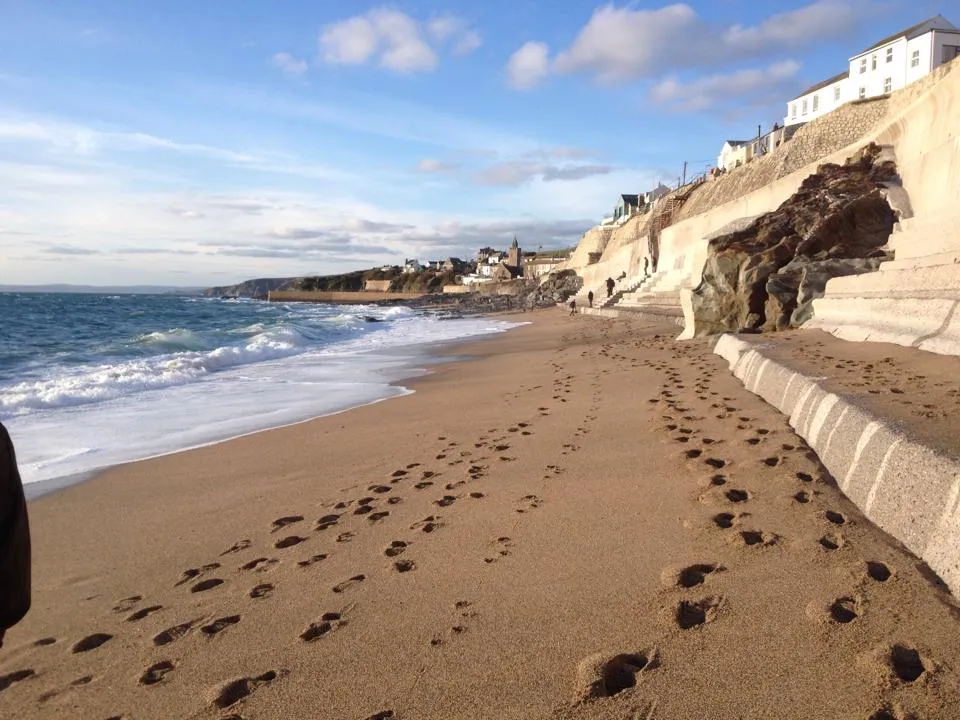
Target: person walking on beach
[(14, 540), (573, 307), (590, 298), (610, 283)]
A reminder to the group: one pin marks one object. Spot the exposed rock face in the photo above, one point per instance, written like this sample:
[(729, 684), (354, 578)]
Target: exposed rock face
[(765, 276)]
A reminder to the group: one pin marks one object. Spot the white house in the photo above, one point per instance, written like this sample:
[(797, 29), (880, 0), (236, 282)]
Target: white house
[(886, 66), (819, 99), (732, 153), (412, 266)]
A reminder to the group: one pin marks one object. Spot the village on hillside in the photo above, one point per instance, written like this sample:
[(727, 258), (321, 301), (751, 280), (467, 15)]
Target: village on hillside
[(871, 76)]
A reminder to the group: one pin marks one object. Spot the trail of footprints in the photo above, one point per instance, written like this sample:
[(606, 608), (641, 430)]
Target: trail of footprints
[(778, 468), (694, 608), (341, 524)]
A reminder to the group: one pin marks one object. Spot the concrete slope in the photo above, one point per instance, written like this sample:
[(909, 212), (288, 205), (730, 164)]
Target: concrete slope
[(913, 300), (908, 489)]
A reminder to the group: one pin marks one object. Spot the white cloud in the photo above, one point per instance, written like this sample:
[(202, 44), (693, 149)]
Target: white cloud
[(626, 43), (467, 43), (741, 86), (428, 165), (395, 40), (288, 64), (513, 173), (528, 66)]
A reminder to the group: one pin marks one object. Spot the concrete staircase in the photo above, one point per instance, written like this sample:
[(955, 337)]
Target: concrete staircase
[(658, 296), (911, 300)]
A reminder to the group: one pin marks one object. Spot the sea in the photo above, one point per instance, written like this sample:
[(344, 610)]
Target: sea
[(91, 381)]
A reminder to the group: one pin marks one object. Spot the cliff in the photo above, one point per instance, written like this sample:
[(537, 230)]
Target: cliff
[(256, 289)]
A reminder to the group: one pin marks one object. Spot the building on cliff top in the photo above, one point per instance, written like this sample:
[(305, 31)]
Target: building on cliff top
[(886, 66)]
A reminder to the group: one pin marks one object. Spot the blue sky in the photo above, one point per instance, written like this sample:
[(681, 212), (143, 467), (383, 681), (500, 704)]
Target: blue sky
[(195, 143)]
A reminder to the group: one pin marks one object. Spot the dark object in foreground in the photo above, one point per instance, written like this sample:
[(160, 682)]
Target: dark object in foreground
[(14, 540)]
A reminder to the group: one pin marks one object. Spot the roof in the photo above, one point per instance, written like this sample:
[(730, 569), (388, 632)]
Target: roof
[(826, 83), (632, 199), (910, 33), (735, 143)]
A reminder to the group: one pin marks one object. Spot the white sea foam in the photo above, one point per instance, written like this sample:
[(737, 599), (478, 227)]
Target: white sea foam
[(94, 417)]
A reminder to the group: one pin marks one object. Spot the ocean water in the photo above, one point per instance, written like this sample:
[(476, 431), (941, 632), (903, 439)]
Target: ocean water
[(91, 381)]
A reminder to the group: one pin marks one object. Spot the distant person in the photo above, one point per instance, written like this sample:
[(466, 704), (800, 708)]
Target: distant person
[(610, 283), (646, 266), (590, 298), (14, 540), (573, 307)]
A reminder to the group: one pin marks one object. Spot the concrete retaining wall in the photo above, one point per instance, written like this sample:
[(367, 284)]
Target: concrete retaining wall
[(907, 489)]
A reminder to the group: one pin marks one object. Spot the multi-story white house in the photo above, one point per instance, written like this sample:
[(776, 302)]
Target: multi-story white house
[(891, 64)]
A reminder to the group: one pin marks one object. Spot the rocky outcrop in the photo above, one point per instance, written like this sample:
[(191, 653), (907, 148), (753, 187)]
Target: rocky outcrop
[(765, 276)]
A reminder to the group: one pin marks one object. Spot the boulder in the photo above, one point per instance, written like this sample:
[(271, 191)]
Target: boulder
[(765, 276)]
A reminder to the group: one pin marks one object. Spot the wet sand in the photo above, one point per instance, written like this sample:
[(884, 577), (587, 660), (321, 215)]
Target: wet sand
[(586, 520)]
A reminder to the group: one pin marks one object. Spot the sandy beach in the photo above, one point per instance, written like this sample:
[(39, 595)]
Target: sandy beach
[(584, 519)]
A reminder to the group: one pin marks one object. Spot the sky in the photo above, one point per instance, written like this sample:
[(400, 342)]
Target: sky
[(202, 143)]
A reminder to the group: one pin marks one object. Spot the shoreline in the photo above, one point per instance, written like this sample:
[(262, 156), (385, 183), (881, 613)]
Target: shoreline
[(420, 358), (577, 494)]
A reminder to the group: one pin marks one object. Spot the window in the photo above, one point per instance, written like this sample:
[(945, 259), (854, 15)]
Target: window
[(889, 54), (793, 110), (804, 107), (888, 85), (836, 94), (816, 103), (863, 65), (915, 59), (873, 62), (863, 92)]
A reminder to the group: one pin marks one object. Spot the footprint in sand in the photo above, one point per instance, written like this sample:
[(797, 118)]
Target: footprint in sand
[(44, 642), (693, 613), (311, 560), (379, 489), (127, 604), (758, 538), (345, 537), (878, 571), (530, 502), (91, 642), (835, 517), (502, 545), (205, 585), (282, 522), (397, 547), (445, 501), (328, 623), (156, 673), (15, 677), (428, 524), (844, 610), (261, 564), (349, 583), (327, 521), (233, 691), (143, 612), (263, 590), (832, 541), (219, 625), (381, 715), (194, 573), (174, 633), (690, 576), (377, 516), (423, 485), (403, 566), (236, 547)]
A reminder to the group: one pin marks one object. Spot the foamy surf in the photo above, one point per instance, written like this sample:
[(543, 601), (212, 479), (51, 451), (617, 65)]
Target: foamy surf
[(87, 397)]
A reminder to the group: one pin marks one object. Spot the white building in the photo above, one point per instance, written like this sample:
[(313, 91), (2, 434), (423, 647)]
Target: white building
[(889, 65), (732, 153)]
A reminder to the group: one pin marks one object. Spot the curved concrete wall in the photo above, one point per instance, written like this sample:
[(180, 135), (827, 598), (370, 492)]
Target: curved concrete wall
[(904, 487)]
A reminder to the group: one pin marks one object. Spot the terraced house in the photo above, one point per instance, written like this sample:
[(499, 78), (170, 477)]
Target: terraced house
[(888, 65)]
